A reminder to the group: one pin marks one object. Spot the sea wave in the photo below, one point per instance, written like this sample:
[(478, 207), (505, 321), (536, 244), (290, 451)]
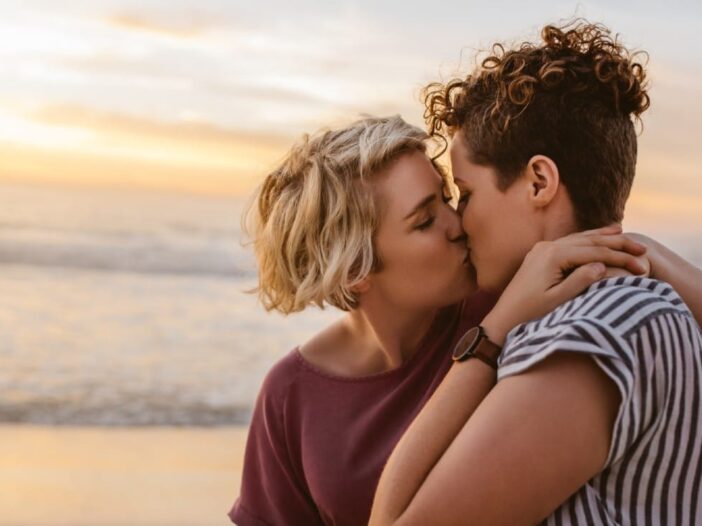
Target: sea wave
[(167, 254), (137, 411)]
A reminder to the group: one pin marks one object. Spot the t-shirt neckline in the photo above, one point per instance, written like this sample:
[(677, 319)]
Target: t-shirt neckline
[(420, 350)]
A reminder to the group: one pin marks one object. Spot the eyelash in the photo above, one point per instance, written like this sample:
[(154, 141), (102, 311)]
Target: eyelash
[(430, 221), (426, 224)]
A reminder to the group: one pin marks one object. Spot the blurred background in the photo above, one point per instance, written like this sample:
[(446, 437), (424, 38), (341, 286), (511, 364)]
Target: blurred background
[(131, 134)]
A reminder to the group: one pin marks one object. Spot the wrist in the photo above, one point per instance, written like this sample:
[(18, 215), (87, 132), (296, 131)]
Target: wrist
[(495, 328), (475, 343)]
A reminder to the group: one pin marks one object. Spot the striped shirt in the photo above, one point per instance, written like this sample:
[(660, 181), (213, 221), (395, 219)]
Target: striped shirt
[(642, 335)]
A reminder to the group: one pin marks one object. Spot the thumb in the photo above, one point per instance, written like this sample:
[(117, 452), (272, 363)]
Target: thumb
[(577, 281)]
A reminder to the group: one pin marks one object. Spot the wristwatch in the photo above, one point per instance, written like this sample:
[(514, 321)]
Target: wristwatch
[(475, 344)]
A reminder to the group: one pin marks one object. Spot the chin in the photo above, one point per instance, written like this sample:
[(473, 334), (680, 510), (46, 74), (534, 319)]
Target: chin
[(495, 278), (488, 287), (471, 288), (483, 279), (472, 278), (491, 283), (462, 291)]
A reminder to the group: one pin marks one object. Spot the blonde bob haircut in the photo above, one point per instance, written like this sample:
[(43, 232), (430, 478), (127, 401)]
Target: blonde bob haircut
[(313, 218)]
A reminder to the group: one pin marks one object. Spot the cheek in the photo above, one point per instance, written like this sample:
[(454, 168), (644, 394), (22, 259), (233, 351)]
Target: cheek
[(474, 223), (425, 254), (417, 253), (489, 233), (434, 262), (467, 221)]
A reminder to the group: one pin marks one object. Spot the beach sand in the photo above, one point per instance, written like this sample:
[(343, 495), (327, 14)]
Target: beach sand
[(100, 476)]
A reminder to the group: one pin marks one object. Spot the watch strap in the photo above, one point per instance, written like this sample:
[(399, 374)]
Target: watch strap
[(487, 352), (475, 344)]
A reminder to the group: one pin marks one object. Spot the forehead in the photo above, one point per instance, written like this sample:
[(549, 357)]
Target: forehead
[(409, 178), (465, 172), (460, 158)]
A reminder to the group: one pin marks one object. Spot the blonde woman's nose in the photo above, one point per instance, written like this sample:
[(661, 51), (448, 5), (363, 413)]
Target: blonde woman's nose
[(454, 229)]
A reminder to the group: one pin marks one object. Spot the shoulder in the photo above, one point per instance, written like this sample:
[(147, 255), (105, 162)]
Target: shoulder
[(271, 415), (324, 350), (279, 379), (621, 305), (330, 350), (627, 302), (600, 322)]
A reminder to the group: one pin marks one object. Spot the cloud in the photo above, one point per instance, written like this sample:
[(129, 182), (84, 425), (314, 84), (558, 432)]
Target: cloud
[(122, 149), (30, 163), (191, 132), (184, 27)]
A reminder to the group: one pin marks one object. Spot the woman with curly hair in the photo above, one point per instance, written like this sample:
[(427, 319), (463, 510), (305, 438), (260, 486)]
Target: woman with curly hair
[(588, 415)]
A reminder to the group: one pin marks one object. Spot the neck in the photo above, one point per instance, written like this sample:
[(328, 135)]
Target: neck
[(559, 217), (387, 335)]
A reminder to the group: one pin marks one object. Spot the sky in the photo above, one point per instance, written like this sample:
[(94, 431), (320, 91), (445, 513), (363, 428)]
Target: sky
[(206, 96)]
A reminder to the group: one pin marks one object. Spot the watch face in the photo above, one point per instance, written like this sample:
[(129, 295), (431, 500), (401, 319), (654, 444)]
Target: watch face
[(465, 346)]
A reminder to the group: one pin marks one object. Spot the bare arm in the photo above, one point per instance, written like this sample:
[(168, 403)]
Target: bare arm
[(502, 468), (429, 436), (537, 288)]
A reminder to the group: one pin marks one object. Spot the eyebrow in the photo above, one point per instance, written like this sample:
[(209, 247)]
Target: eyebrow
[(424, 202)]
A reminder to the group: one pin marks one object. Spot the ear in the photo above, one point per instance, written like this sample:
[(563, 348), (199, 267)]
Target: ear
[(361, 286), (543, 179)]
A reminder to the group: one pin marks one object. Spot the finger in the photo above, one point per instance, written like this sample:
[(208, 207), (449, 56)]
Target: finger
[(618, 242), (621, 242), (614, 272), (569, 257), (614, 228), (610, 230), (580, 279)]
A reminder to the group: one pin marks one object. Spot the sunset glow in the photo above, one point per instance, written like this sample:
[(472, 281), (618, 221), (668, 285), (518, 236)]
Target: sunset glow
[(208, 97)]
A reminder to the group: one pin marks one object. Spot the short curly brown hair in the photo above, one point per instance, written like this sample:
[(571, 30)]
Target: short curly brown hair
[(573, 97)]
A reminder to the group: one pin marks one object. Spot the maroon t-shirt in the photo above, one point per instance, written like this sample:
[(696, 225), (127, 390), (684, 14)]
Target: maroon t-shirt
[(318, 442)]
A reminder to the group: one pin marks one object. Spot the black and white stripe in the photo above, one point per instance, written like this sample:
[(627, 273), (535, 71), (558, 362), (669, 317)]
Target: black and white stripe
[(645, 339)]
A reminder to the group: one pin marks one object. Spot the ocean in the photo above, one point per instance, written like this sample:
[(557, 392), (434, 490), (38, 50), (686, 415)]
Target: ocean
[(129, 308)]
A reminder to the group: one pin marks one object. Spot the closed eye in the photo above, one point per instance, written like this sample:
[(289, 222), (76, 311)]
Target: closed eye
[(463, 200), (426, 224)]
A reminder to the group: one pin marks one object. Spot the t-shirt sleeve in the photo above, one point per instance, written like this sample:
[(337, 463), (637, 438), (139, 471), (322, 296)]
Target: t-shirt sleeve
[(272, 491), (610, 352)]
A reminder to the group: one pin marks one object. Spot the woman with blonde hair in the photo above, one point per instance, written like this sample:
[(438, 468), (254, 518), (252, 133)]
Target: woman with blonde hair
[(359, 218)]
